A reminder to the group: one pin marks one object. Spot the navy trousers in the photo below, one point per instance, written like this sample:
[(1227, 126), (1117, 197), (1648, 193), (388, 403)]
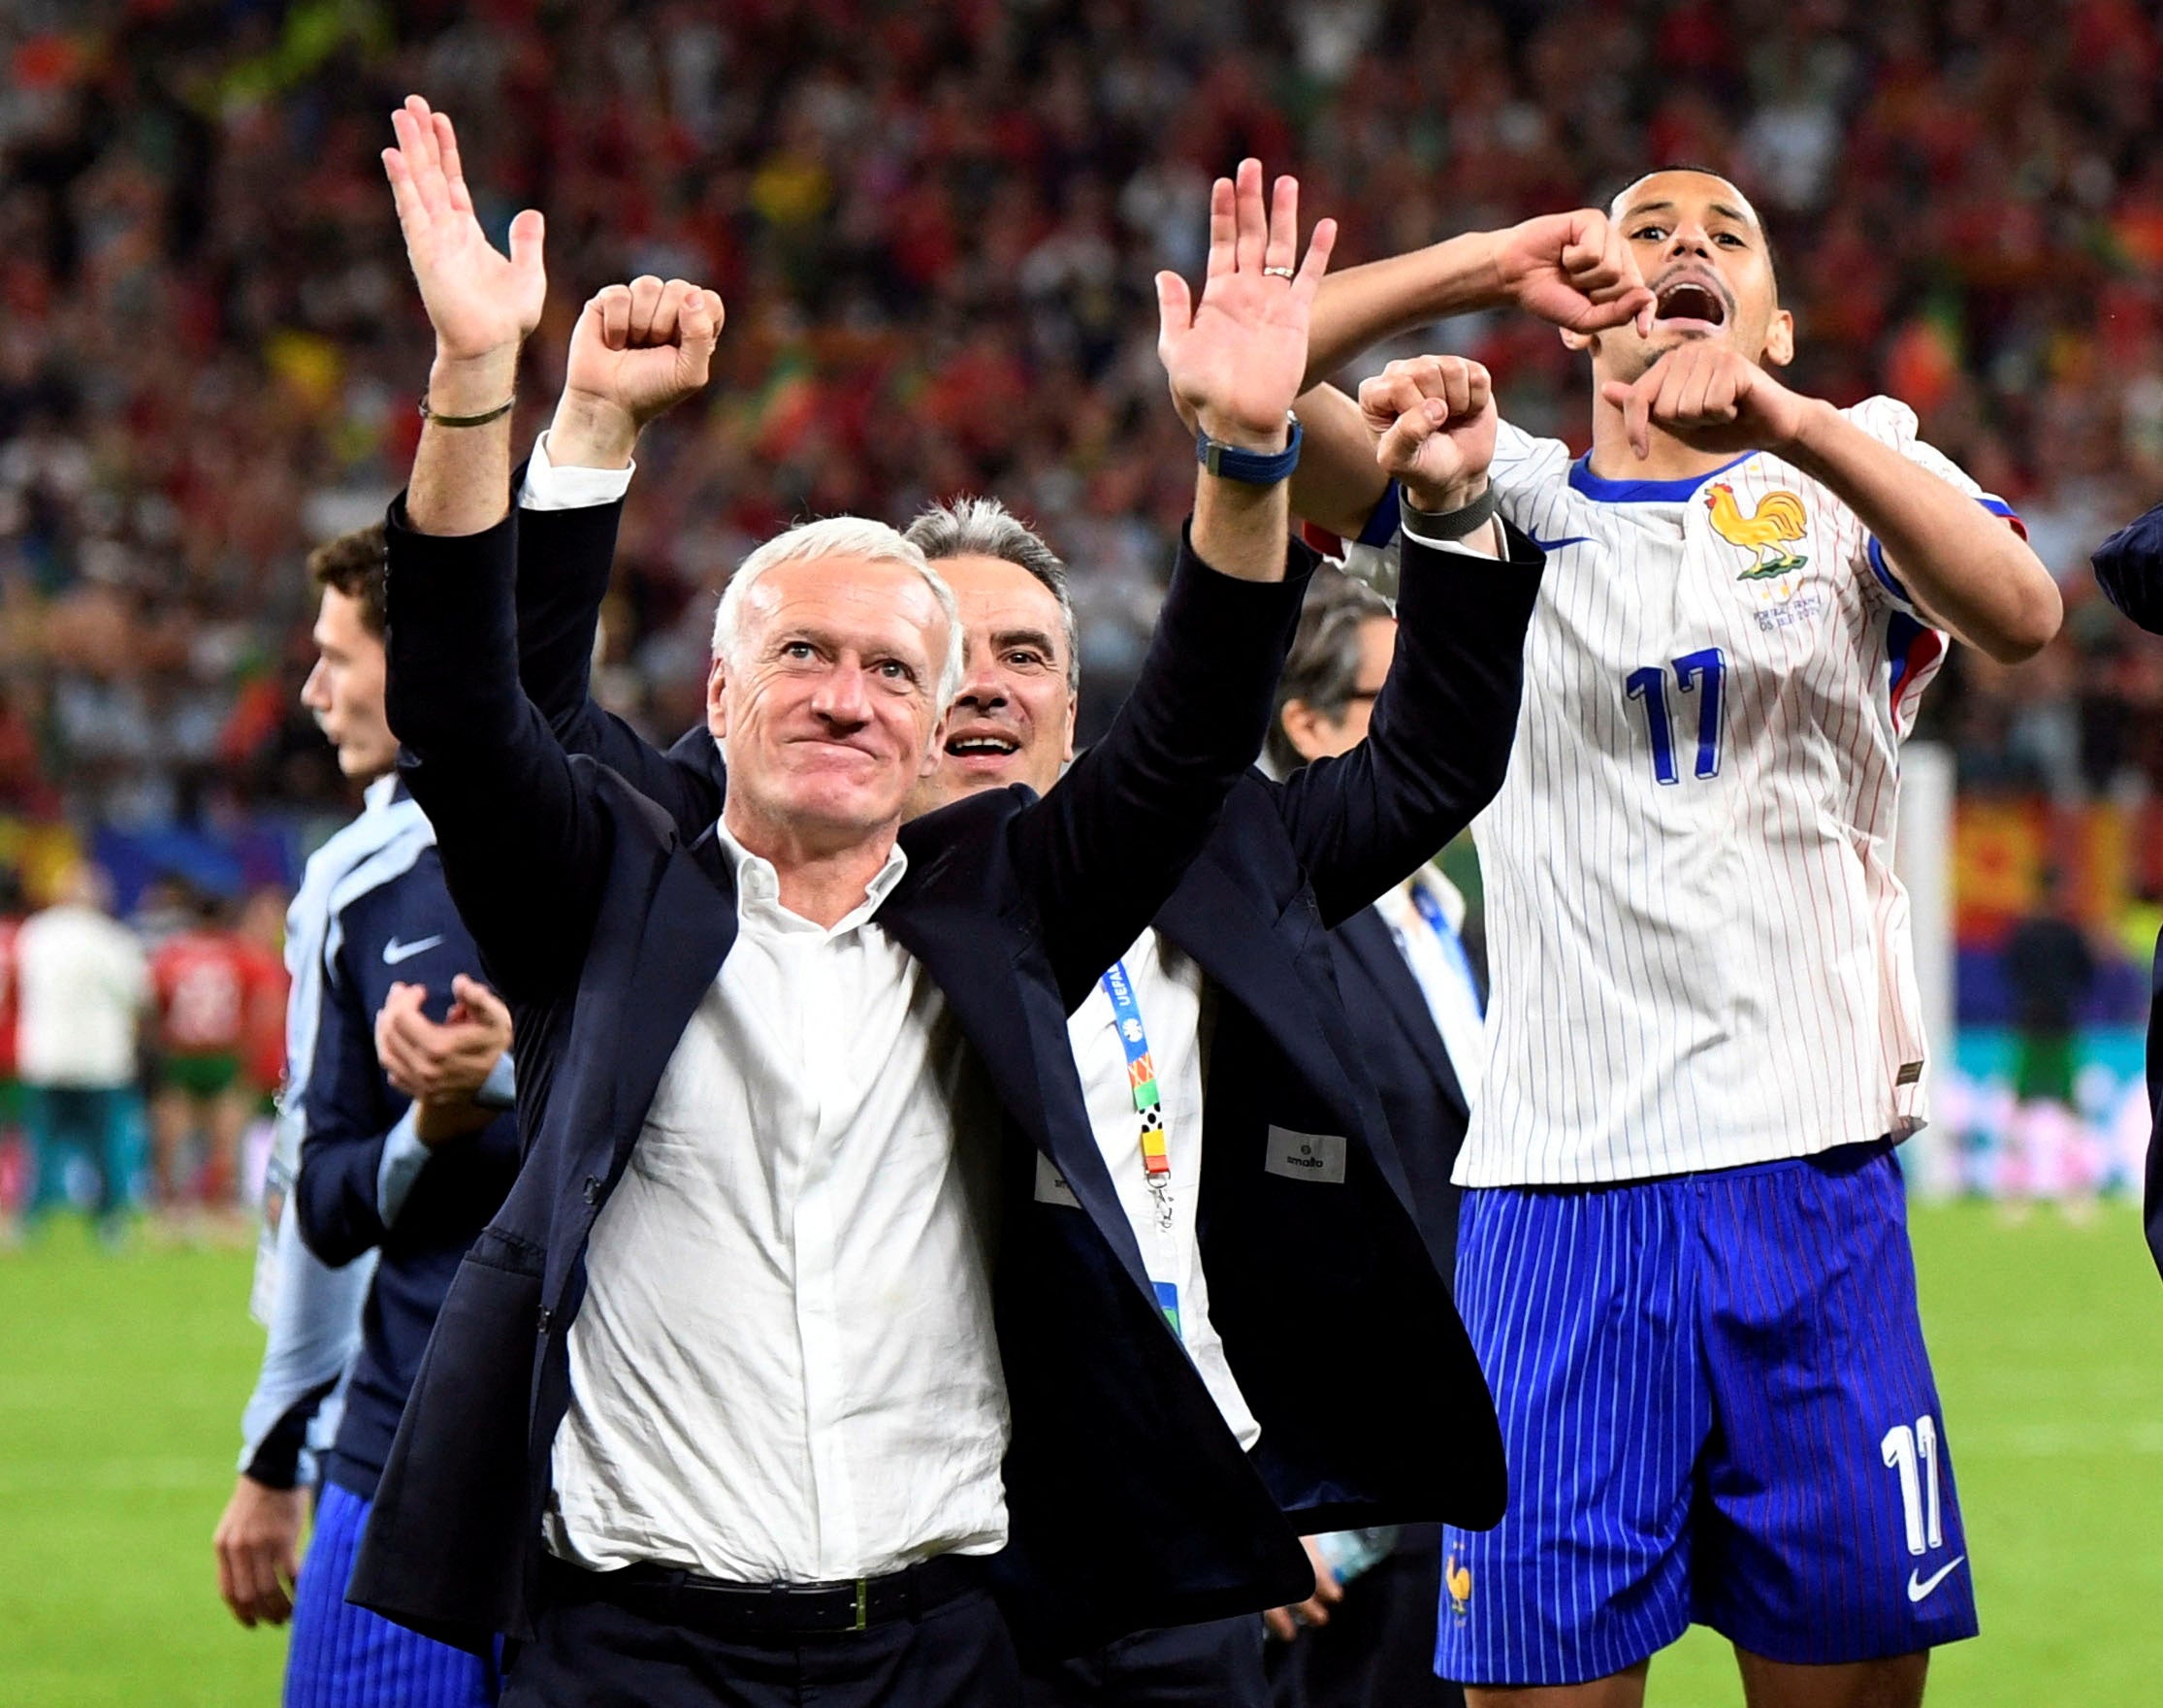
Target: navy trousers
[(596, 1654), (1214, 1665)]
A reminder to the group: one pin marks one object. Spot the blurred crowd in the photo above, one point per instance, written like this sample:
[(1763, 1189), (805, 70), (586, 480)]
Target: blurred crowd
[(935, 226), (139, 1057)]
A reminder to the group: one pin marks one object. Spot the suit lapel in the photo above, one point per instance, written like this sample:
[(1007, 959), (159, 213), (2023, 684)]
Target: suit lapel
[(689, 927), (1209, 913), (1371, 943), (970, 955)]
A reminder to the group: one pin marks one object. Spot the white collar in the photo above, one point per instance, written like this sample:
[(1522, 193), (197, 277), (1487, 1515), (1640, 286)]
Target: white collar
[(759, 885)]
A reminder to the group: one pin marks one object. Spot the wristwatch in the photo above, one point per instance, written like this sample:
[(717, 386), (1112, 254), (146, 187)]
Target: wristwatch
[(1251, 468)]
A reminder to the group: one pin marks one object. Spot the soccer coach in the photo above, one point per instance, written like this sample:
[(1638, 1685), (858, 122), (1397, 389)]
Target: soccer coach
[(737, 1344)]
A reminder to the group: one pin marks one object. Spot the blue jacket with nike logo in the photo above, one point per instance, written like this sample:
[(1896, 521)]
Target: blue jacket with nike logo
[(366, 1183)]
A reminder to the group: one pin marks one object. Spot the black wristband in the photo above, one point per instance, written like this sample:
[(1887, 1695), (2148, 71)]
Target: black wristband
[(496, 414), (1439, 525)]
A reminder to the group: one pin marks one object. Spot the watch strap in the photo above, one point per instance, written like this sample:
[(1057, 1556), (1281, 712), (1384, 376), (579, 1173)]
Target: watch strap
[(1251, 468), (1432, 526)]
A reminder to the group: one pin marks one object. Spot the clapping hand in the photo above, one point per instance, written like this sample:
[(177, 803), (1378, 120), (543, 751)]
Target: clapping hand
[(1236, 360), (1434, 420), (441, 1065), (1575, 271)]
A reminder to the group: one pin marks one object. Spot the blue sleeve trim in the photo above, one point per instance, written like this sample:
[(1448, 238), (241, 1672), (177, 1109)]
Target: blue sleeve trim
[(1892, 582), (1382, 526), (1892, 585)]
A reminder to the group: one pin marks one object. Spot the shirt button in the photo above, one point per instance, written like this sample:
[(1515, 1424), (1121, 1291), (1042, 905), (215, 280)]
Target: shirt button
[(591, 1189)]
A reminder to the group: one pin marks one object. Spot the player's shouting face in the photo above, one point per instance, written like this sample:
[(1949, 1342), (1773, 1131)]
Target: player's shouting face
[(1700, 249)]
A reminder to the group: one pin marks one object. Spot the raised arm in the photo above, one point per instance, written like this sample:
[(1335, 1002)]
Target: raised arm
[(521, 835), (1443, 722), (1105, 848), (637, 351), (1965, 569), (1574, 270)]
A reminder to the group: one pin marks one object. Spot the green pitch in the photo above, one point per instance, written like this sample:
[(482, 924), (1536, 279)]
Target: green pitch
[(121, 1378)]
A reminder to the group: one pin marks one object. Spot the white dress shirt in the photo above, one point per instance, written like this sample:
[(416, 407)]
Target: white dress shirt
[(1167, 990), (785, 1368), (575, 488), (1444, 973)]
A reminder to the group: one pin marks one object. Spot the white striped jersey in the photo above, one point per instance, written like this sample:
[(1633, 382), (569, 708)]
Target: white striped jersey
[(1700, 953)]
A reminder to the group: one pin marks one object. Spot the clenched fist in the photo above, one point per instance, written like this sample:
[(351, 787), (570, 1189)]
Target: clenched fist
[(1574, 270), (637, 351), (1434, 420)]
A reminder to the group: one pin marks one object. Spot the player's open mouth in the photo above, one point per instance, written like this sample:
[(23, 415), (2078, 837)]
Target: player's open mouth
[(1688, 302)]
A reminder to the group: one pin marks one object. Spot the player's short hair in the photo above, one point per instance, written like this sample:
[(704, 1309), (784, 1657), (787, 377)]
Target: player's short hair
[(985, 528), (1615, 201), (841, 536), (352, 564), (1322, 670)]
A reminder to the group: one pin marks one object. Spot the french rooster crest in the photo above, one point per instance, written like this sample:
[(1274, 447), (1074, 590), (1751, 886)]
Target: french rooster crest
[(1780, 518)]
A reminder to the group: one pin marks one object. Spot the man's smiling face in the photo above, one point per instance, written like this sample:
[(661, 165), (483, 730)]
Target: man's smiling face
[(830, 705), (1013, 722), (1702, 252)]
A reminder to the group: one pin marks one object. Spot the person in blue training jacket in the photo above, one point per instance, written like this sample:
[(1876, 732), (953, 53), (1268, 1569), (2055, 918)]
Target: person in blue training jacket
[(379, 957)]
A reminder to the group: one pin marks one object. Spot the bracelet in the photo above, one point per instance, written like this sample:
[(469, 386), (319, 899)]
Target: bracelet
[(496, 414), (1439, 525), (1253, 468)]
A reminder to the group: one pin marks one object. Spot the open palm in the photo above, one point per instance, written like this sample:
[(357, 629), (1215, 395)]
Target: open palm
[(478, 299), (1236, 361)]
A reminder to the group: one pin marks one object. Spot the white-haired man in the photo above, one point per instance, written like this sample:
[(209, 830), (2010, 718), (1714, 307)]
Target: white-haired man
[(773, 1343), (1683, 1253)]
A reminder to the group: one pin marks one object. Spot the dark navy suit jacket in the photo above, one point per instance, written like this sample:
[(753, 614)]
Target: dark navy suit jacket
[(401, 929), (1333, 1301), (1404, 1054), (603, 925), (2129, 568)]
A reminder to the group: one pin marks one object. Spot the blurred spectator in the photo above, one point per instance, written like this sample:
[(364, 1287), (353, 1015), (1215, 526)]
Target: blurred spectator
[(208, 982), (935, 226), (83, 984), (14, 1165), (2050, 969)]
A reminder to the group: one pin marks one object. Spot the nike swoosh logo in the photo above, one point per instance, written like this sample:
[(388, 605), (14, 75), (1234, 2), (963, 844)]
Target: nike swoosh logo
[(1918, 1591), (395, 952), (1556, 545)]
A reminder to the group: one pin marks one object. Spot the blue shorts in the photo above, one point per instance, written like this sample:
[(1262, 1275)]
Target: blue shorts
[(346, 1657), (1716, 1409)]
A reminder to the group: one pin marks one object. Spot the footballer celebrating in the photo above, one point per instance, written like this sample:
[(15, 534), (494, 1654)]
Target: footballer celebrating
[(1684, 1256)]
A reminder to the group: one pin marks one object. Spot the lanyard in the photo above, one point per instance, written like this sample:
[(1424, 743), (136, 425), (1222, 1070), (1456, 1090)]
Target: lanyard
[(1156, 1155), (1141, 1079), (1453, 946)]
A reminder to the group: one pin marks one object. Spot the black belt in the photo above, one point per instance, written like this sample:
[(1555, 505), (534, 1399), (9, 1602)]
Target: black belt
[(730, 1611)]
